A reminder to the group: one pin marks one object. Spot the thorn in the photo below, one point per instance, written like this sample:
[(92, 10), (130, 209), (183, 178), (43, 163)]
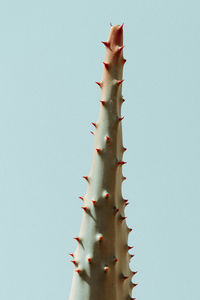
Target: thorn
[(102, 102), (106, 44), (134, 273), (131, 256), (125, 200), (116, 210), (129, 247), (127, 203), (107, 139), (123, 178), (123, 100), (125, 277), (98, 150), (121, 163), (84, 208), (107, 195), (121, 27), (135, 284), (100, 238), (106, 65), (119, 82), (78, 271), (94, 124), (74, 262), (124, 149), (77, 239), (81, 198), (106, 268), (89, 260), (71, 254), (130, 229), (119, 50), (99, 83), (120, 119), (123, 61), (94, 202), (131, 298), (115, 260), (122, 218), (86, 178)]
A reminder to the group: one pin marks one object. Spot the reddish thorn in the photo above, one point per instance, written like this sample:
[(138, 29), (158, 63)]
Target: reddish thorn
[(133, 298), (107, 138), (129, 247), (121, 163), (123, 61), (86, 178), (123, 100), (106, 44), (106, 268), (135, 284), (119, 82), (125, 200), (77, 239), (74, 262), (81, 198), (116, 210), (78, 271), (84, 208), (127, 203), (100, 238), (115, 260), (120, 119), (124, 149), (89, 259), (102, 102), (132, 255), (92, 132), (125, 277), (99, 83), (119, 50), (98, 150), (71, 254), (122, 218), (134, 273), (94, 202), (107, 195), (130, 229), (94, 124), (106, 65), (121, 27), (124, 178)]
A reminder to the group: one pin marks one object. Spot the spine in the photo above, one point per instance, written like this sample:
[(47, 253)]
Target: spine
[(102, 257)]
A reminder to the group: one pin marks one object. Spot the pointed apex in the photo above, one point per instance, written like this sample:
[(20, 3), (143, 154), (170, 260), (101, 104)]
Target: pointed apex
[(135, 284), (134, 273), (99, 83), (119, 82), (94, 124), (107, 138), (102, 102), (120, 119), (84, 208), (71, 254), (78, 271), (106, 44), (119, 50), (106, 65), (122, 218), (129, 247), (121, 163), (86, 178), (81, 198), (94, 202), (74, 262), (77, 239), (125, 277), (121, 27), (98, 150)]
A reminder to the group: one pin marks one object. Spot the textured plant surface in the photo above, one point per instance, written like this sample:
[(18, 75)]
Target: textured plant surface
[(102, 255)]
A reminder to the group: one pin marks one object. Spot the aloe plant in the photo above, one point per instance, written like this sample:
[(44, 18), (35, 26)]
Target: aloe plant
[(102, 257)]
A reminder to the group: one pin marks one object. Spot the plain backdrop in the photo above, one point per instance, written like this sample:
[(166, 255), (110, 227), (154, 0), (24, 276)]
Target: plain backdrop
[(50, 57)]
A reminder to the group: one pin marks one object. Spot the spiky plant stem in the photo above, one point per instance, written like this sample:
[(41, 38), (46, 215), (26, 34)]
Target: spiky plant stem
[(101, 258)]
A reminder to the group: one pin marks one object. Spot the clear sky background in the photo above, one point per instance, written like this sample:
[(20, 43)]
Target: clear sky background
[(50, 57)]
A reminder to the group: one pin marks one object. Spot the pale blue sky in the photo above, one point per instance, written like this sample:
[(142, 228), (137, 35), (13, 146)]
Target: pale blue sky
[(50, 57)]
